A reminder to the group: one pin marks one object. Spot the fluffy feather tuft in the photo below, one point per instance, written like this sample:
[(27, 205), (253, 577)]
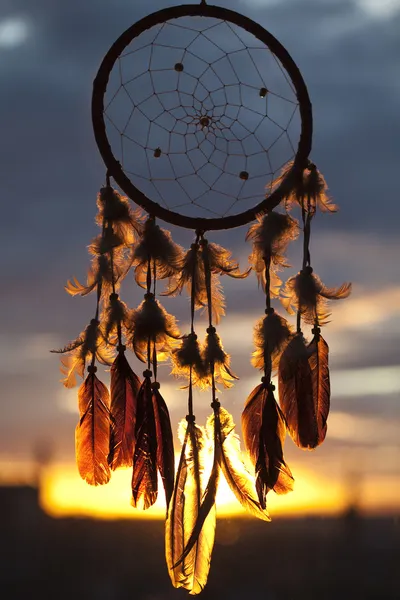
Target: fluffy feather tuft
[(189, 356), (156, 245), (115, 210), (307, 294), (271, 334), (214, 356), (150, 321)]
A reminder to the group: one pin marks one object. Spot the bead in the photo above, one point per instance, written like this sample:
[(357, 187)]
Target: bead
[(155, 385), (269, 311), (114, 296), (92, 369), (147, 373), (215, 405), (121, 348), (94, 322), (211, 330), (190, 418)]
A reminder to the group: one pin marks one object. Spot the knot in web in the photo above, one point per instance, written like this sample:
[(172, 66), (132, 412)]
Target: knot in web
[(201, 116)]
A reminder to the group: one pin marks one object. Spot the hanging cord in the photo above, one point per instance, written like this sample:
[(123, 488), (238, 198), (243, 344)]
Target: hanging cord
[(268, 311), (306, 215), (211, 329), (195, 247)]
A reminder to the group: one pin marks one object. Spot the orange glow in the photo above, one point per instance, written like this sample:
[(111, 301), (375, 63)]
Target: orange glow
[(64, 493)]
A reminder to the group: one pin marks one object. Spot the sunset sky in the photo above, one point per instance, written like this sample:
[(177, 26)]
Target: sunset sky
[(348, 52)]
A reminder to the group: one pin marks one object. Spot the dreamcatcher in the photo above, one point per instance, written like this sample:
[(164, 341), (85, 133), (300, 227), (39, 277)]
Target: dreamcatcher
[(195, 109)]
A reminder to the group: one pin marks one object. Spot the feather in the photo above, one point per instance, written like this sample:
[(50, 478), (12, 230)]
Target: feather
[(220, 262), (144, 476), (89, 343), (125, 387), (270, 237), (264, 430), (110, 264), (165, 443), (115, 209), (189, 570), (305, 187), (239, 479), (92, 435), (150, 321), (189, 356), (304, 390), (296, 394), (156, 245), (192, 277), (215, 358), (115, 318), (307, 294), (271, 335)]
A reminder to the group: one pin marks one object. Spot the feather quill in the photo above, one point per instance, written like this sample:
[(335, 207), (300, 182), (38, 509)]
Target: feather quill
[(264, 431), (189, 570), (92, 434), (144, 476), (124, 388)]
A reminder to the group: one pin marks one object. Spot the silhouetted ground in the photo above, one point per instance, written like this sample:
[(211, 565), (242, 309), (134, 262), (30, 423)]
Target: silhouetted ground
[(82, 559)]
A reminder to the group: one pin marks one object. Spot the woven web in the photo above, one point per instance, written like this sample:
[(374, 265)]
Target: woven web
[(202, 116)]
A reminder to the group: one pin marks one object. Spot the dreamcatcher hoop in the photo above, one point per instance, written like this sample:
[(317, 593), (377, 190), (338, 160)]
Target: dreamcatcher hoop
[(115, 168)]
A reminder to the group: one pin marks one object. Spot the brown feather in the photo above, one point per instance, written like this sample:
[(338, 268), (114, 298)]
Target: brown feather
[(144, 476), (165, 444), (116, 210), (318, 351), (220, 262), (264, 431), (92, 435), (125, 387), (296, 395)]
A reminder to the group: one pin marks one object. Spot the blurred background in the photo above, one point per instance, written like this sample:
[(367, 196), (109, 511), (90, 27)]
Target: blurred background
[(337, 535)]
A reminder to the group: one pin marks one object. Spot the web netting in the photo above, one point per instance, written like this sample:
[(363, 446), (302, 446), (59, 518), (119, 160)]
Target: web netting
[(202, 116)]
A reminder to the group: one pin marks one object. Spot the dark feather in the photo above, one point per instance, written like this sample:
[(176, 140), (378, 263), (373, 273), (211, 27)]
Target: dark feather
[(165, 444), (264, 431), (125, 387), (296, 393), (144, 476), (92, 435), (318, 358)]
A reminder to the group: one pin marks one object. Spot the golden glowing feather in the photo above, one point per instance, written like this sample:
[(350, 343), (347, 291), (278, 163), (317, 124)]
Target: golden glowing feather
[(191, 570)]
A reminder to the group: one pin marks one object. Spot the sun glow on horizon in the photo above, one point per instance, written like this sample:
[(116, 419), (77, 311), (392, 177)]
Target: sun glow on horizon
[(65, 494)]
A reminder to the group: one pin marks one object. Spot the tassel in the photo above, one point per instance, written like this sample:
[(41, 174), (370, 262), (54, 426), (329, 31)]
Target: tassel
[(307, 188), (157, 247), (304, 390), (189, 571), (264, 430), (144, 476), (125, 387), (189, 356), (165, 442), (216, 358), (271, 335), (150, 321), (92, 435), (110, 265), (271, 236), (192, 277), (115, 316), (88, 344), (307, 294), (115, 210)]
